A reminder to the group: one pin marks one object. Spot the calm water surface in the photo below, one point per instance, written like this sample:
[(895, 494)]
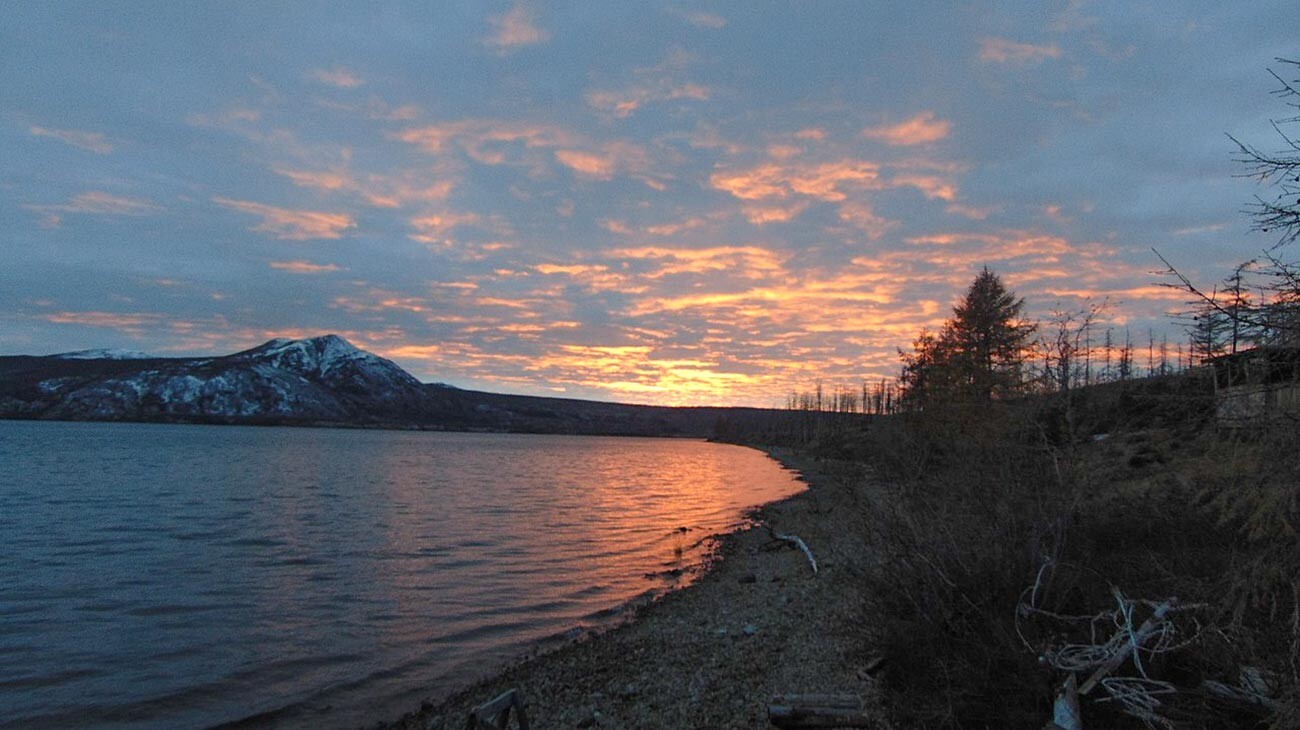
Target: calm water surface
[(188, 576)]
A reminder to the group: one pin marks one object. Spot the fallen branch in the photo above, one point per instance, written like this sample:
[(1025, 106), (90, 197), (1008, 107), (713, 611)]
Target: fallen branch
[(794, 540), (495, 714)]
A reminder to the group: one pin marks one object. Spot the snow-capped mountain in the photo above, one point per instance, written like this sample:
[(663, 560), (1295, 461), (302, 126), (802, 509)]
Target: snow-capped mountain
[(317, 379), (334, 361)]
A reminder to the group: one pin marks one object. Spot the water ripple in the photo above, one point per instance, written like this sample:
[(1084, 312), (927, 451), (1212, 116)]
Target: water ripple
[(166, 576)]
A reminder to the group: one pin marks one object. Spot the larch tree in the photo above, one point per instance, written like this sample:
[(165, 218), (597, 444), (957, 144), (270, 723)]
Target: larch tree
[(987, 338), (978, 355)]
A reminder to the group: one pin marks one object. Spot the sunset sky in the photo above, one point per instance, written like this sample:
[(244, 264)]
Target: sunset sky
[(670, 203)]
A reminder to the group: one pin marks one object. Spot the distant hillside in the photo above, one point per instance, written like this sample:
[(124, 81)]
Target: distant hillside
[(318, 381)]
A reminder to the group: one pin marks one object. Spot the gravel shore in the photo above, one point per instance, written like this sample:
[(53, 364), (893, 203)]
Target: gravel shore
[(759, 623)]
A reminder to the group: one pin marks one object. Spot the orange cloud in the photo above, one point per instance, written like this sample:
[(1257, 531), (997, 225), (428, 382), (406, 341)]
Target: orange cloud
[(745, 261), (498, 142), (586, 163), (672, 229), (824, 181), (605, 161), (783, 151), (760, 215), (303, 267), (289, 224), (433, 227), (318, 179), (381, 300), (135, 322), (1002, 50), (89, 141), (920, 129), (593, 277), (476, 135)]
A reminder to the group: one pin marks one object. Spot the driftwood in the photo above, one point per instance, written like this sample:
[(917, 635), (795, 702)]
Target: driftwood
[(819, 710), (495, 714), (794, 540)]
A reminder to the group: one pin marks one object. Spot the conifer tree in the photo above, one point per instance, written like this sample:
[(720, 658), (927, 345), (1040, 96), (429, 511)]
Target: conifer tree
[(978, 355)]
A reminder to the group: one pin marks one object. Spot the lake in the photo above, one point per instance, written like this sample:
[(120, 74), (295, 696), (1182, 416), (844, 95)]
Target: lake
[(161, 576)]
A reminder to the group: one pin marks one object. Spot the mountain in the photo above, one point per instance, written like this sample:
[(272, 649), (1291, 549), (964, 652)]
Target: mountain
[(316, 381)]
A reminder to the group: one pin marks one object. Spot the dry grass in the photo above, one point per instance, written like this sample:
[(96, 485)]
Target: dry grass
[(1162, 506)]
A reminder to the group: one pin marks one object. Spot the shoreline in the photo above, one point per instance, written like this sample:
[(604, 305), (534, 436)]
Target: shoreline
[(755, 624)]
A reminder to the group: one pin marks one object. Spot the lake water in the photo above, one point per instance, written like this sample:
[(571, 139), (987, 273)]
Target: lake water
[(189, 576)]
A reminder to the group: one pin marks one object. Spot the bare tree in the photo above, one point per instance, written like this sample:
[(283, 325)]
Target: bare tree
[(1281, 214), (1273, 315)]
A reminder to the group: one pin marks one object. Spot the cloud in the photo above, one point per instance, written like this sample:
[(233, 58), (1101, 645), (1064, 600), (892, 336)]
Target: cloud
[(701, 19), (1002, 50), (587, 163), (761, 215), (90, 141), (604, 161), (487, 141), (749, 262), (289, 224), (303, 267), (825, 181), (920, 129), (379, 190), (931, 186), (434, 227), (658, 83), (972, 212), (623, 103), (319, 179), (672, 229), (337, 76), (131, 323), (515, 29), (94, 202), (862, 217), (593, 277)]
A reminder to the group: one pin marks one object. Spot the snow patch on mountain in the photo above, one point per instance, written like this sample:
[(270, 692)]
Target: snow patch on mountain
[(104, 354), (334, 360)]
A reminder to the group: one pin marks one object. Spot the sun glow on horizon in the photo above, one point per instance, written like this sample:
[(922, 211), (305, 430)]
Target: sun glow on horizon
[(704, 208)]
